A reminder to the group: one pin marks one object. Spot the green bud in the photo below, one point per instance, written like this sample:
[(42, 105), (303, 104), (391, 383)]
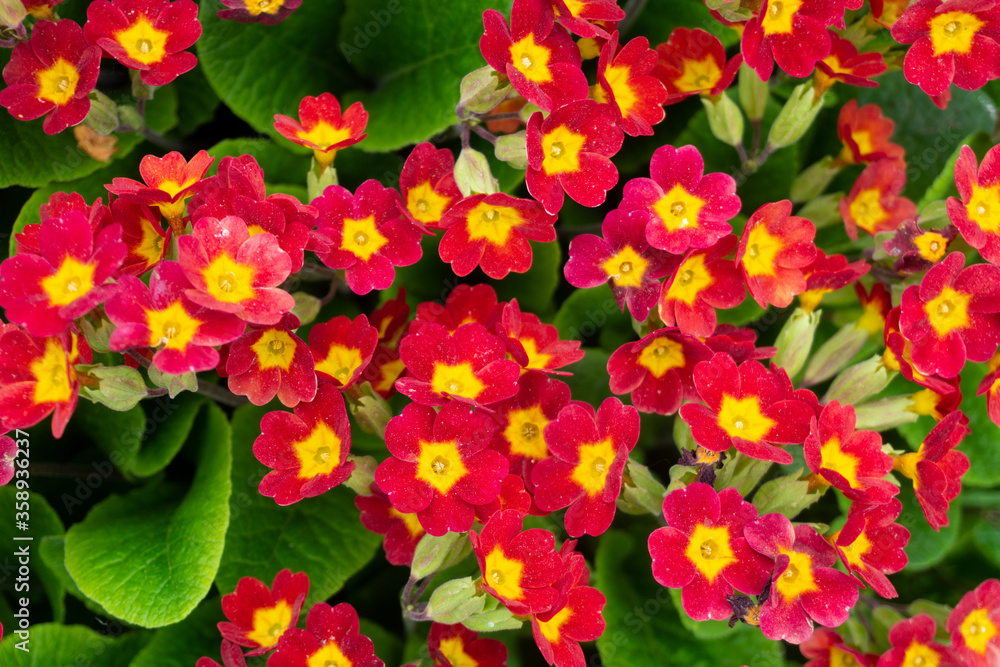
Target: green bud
[(454, 601), (754, 93), (306, 307), (787, 495), (833, 355), (481, 91), (371, 412), (795, 340), (12, 13), (97, 337), (730, 10), (473, 175), (813, 181), (363, 475), (795, 117), (434, 554), (858, 382), (103, 114), (119, 387), (513, 149), (492, 621), (724, 119), (140, 89), (319, 179), (641, 493), (174, 384), (529, 110), (823, 210), (128, 117), (885, 413), (934, 215)]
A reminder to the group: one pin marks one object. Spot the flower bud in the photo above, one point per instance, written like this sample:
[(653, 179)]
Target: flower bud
[(731, 10), (363, 475), (473, 175), (754, 93), (724, 119), (306, 307), (833, 355), (823, 210), (795, 340), (370, 411), (481, 91), (103, 114), (885, 413), (118, 387), (97, 337), (174, 384), (795, 117), (492, 621), (858, 382), (434, 554), (641, 493), (513, 149), (454, 601), (813, 180), (12, 13)]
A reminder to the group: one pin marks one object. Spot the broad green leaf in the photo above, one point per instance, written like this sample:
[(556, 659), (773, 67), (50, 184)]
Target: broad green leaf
[(42, 521), (642, 626), (198, 101), (589, 381), (261, 70), (659, 19), (53, 645), (167, 426), (53, 552), (117, 434), (416, 52), (535, 288), (150, 557), (927, 547), (593, 314), (181, 644), (321, 536)]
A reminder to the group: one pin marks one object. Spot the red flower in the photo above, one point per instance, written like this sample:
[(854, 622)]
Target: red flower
[(575, 617), (584, 471), (322, 128), (258, 615), (845, 64), (740, 344), (540, 57), (307, 450), (8, 452), (533, 345), (952, 41), (875, 308), (513, 497), (936, 468), (268, 12), (519, 568), (457, 646), (146, 35), (887, 12), (828, 273), (465, 304), (805, 588), (624, 82), (773, 250), (383, 370), (912, 640), (440, 467), (365, 234), (143, 235), (875, 203), (826, 648), (916, 249), (693, 62), (570, 151), (467, 366), (390, 319), (232, 656), (975, 623), (272, 361), (235, 272), (704, 281), (239, 190), (46, 292), (342, 349), (878, 549), (897, 357), (402, 531), (852, 461), (37, 378), (656, 371), (622, 258), (51, 75), (162, 316), (428, 185), (865, 133), (748, 407), (977, 215), (40, 9), (689, 208), (59, 205), (492, 231), (168, 183), (990, 386), (793, 34), (703, 552), (332, 637), (952, 316)]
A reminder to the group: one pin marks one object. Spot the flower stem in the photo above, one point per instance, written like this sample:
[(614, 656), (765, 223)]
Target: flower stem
[(221, 395)]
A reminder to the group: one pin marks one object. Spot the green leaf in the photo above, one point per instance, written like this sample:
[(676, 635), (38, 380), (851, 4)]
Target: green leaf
[(321, 536), (589, 379), (53, 552), (261, 70), (927, 547), (54, 645), (535, 288), (42, 522), (587, 313), (181, 644), (644, 629), (150, 557), (198, 101), (388, 646), (417, 51), (659, 19), (117, 434), (986, 535), (166, 429)]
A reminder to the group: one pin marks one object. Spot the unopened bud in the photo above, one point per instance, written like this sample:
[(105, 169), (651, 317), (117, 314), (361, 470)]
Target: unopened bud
[(454, 601), (103, 114), (174, 384), (434, 554), (473, 175), (319, 178), (795, 117), (754, 93), (481, 91), (492, 621), (306, 307), (12, 13), (858, 382), (371, 412), (363, 475), (885, 413), (833, 355), (813, 181), (731, 10), (795, 340), (118, 387), (513, 149), (724, 119)]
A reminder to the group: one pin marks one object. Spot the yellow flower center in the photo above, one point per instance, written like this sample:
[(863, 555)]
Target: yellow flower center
[(626, 267), (948, 311), (691, 279), (984, 208), (931, 245), (504, 574), (662, 355), (561, 148), (227, 281), (340, 362), (72, 281), (867, 210), (526, 433), (742, 418), (440, 465), (920, 655), (457, 380), (953, 32), (798, 578), (778, 19), (977, 630), (618, 80), (324, 135), (425, 204), (856, 550), (832, 457), (863, 140), (591, 473), (453, 649), (709, 550), (552, 628), (698, 75), (275, 349), (57, 84), (678, 209), (269, 623), (492, 223), (531, 60), (841, 658), (143, 42), (762, 249), (172, 327), (52, 374), (256, 8), (362, 238), (319, 453), (411, 521)]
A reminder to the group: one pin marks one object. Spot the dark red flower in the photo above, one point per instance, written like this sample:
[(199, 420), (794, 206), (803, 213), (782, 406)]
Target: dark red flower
[(258, 615), (402, 531), (793, 34), (693, 62), (331, 637), (704, 281), (878, 548), (625, 83), (272, 361)]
